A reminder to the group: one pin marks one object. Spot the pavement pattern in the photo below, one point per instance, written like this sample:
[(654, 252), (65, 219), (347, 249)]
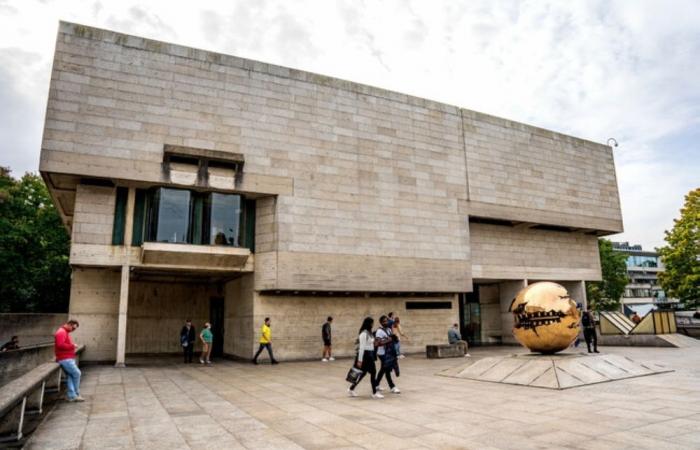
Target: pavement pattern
[(162, 404)]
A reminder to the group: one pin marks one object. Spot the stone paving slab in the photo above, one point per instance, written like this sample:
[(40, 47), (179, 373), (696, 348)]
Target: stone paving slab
[(560, 371), (161, 404)]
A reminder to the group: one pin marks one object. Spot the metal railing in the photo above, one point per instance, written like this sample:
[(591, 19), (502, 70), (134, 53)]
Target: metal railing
[(25, 396)]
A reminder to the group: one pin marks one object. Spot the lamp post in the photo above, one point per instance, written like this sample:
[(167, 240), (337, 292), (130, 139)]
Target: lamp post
[(612, 142)]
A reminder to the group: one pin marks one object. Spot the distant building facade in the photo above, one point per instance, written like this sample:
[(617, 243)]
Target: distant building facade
[(643, 292), (205, 186)]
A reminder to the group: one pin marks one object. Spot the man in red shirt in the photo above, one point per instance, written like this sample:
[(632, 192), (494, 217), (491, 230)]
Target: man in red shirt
[(64, 349)]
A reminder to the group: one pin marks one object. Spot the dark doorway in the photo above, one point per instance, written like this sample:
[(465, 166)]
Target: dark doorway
[(470, 317), (216, 318)]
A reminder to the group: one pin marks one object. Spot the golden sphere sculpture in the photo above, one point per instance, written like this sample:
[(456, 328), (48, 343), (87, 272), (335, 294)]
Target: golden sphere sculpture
[(546, 319)]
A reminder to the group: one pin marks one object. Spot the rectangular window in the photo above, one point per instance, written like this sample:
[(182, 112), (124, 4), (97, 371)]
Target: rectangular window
[(173, 216), (119, 216), (428, 305), (225, 219), (139, 217)]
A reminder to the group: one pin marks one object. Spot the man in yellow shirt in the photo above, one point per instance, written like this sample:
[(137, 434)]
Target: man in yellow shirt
[(265, 342)]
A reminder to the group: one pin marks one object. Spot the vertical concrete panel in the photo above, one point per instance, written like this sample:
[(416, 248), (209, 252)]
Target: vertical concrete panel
[(489, 301), (241, 334), (94, 302)]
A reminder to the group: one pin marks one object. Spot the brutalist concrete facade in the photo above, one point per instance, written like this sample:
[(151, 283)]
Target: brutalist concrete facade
[(366, 201)]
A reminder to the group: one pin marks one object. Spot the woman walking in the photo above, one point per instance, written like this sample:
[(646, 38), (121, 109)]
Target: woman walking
[(207, 338), (364, 359)]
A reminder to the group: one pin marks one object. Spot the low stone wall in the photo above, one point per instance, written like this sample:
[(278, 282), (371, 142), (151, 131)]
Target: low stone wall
[(15, 363), (31, 329), (632, 340)]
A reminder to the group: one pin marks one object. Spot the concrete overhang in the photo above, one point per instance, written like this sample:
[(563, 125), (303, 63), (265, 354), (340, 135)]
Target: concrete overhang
[(161, 254)]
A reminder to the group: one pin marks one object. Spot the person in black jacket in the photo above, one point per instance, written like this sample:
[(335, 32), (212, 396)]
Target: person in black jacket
[(326, 337), (187, 339), (589, 333)]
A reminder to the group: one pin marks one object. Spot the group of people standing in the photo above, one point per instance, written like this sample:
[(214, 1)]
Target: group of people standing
[(383, 344), (188, 338)]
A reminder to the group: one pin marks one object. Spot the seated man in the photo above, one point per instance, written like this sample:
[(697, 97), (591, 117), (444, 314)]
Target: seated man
[(12, 344), (455, 338)]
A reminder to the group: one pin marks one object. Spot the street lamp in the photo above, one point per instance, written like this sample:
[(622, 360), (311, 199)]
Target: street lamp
[(613, 144)]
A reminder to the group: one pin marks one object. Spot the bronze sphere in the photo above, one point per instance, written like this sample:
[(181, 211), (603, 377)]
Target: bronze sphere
[(546, 319)]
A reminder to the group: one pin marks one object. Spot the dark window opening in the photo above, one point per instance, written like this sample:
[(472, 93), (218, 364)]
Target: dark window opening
[(428, 305), (119, 216), (490, 221)]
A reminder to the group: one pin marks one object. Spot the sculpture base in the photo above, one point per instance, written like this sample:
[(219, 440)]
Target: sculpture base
[(560, 371)]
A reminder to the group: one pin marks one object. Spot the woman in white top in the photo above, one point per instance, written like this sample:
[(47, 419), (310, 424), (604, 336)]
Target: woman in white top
[(365, 358)]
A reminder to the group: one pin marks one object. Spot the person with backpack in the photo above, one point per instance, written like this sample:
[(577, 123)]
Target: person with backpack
[(326, 336), (386, 351), (187, 340), (364, 359)]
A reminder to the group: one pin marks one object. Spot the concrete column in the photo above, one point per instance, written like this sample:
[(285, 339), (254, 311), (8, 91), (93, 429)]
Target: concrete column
[(507, 292), (577, 291), (124, 286)]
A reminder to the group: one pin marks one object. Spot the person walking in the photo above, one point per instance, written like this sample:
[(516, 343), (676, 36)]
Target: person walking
[(187, 340), (387, 354), (64, 349), (397, 331), (326, 336), (364, 359), (589, 332), (265, 342), (207, 338)]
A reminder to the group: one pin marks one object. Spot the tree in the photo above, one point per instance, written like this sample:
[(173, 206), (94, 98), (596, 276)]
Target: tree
[(681, 256), (605, 295), (34, 248)]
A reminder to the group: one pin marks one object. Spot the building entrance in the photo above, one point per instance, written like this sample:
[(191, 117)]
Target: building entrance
[(216, 318), (470, 317)]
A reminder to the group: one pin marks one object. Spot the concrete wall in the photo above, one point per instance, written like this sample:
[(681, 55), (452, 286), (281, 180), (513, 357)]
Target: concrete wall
[(503, 252), (240, 334), (366, 179), (489, 302), (30, 328), (297, 321), (158, 310), (94, 215), (94, 302), (15, 363)]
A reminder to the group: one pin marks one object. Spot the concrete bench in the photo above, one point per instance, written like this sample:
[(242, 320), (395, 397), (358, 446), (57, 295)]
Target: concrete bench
[(445, 351), (25, 395)]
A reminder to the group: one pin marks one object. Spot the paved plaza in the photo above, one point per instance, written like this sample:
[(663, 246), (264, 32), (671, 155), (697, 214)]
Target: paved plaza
[(158, 403)]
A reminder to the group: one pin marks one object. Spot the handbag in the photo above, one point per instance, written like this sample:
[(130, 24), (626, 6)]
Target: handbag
[(353, 375)]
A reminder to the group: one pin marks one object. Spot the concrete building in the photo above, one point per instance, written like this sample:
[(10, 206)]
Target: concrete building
[(643, 293), (202, 185)]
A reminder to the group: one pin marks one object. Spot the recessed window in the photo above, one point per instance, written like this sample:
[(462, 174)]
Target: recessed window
[(428, 305)]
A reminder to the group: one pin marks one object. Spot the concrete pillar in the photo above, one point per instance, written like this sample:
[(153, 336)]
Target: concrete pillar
[(576, 290), (124, 286), (507, 292)]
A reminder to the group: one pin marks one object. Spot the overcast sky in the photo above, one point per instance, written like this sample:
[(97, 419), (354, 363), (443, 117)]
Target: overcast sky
[(594, 69)]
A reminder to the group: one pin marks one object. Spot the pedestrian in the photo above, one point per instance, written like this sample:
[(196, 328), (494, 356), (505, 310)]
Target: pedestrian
[(64, 349), (387, 354), (326, 336), (207, 338), (454, 337), (589, 332), (187, 340), (265, 342), (398, 333), (390, 318), (364, 358), (12, 344)]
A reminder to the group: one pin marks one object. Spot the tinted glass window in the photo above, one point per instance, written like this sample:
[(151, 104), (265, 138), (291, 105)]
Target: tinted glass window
[(225, 219), (173, 215)]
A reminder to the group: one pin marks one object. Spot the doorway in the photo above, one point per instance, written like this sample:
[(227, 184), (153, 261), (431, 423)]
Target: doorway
[(216, 318), (470, 317)]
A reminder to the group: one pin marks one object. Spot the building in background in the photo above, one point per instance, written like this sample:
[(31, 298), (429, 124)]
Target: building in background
[(205, 186), (643, 293)]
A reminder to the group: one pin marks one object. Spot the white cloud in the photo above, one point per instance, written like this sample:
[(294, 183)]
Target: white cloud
[(594, 69)]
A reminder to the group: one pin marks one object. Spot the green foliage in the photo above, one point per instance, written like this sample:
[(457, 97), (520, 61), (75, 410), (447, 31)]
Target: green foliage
[(605, 295), (34, 248), (681, 255)]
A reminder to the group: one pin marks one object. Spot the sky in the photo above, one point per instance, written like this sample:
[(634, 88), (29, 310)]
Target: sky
[(627, 69)]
